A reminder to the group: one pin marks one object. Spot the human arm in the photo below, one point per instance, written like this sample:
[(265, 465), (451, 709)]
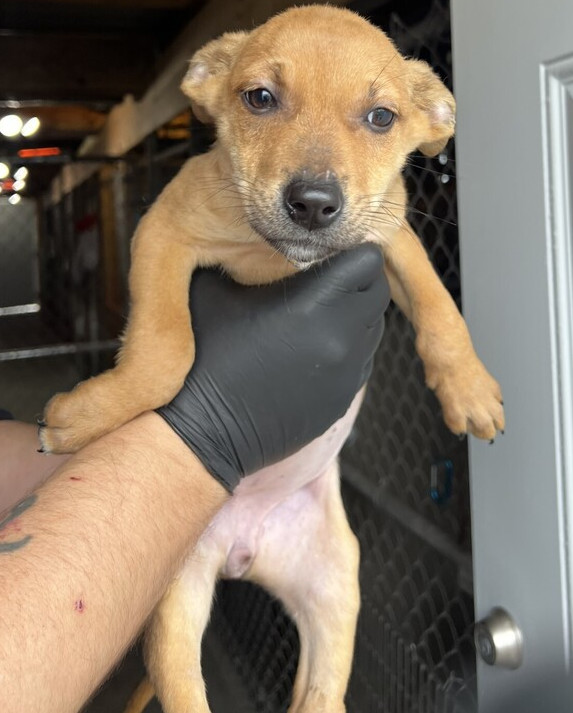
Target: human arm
[(86, 559), (107, 534)]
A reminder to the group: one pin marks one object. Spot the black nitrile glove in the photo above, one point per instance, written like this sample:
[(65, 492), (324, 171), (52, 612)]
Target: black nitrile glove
[(276, 366)]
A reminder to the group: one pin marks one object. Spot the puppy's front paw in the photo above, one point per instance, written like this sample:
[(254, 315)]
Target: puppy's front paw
[(64, 428), (73, 420), (470, 397)]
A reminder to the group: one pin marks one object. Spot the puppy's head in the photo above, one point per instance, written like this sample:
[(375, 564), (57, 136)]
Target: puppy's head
[(317, 112)]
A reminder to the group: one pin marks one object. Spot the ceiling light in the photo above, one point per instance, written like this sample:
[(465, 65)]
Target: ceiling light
[(18, 185), (10, 125), (21, 173), (30, 127), (4, 170), (14, 199)]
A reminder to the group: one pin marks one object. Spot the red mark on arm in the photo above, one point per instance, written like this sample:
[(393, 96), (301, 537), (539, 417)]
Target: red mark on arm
[(73, 477), (79, 606), (11, 527)]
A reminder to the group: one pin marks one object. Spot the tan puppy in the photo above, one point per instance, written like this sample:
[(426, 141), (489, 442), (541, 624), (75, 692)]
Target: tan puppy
[(317, 97), (316, 113)]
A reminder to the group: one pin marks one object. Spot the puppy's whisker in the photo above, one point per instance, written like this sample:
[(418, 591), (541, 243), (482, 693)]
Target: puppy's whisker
[(434, 171), (211, 195), (419, 157), (417, 211), (395, 221), (376, 202)]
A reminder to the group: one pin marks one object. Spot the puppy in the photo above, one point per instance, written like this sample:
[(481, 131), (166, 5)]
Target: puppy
[(316, 113)]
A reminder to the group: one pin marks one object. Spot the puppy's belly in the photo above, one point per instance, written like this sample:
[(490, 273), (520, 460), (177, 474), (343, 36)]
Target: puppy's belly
[(274, 497)]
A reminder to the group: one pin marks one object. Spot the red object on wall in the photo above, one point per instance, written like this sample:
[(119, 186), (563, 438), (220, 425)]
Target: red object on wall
[(33, 153)]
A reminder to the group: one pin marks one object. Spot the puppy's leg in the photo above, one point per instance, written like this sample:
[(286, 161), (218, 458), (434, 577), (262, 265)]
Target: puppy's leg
[(158, 347), (470, 397), (140, 698), (309, 559), (173, 639)]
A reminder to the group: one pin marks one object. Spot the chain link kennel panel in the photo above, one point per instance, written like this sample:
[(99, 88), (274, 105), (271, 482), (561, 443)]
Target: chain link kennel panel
[(405, 485)]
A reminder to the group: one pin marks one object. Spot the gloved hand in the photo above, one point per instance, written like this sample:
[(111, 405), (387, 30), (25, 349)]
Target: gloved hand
[(276, 366)]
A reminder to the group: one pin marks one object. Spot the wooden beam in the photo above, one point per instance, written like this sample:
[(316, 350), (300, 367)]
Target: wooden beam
[(66, 120), (131, 121)]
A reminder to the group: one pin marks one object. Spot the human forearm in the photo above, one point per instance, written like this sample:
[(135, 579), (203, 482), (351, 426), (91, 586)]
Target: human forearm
[(107, 533)]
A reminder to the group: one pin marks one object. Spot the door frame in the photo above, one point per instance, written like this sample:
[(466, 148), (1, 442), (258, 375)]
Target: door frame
[(513, 80)]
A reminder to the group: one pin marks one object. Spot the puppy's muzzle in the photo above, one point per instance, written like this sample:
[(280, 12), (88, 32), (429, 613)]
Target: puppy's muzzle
[(313, 203)]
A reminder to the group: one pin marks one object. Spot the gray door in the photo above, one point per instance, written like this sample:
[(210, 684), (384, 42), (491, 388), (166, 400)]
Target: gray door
[(513, 76)]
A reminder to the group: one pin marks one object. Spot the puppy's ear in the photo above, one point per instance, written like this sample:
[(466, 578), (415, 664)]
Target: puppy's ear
[(207, 68), (437, 105)]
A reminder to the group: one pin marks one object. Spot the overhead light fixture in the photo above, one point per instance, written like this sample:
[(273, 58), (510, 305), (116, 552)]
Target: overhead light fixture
[(10, 125), (30, 127), (18, 185), (4, 170), (14, 199), (21, 173)]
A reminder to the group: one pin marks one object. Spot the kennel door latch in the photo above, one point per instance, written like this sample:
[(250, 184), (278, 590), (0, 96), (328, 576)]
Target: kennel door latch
[(498, 640)]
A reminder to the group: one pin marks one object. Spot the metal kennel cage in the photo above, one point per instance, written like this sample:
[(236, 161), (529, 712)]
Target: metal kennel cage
[(405, 486), (63, 272)]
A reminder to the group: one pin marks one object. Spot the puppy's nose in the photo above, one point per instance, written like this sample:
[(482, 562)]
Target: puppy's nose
[(313, 204)]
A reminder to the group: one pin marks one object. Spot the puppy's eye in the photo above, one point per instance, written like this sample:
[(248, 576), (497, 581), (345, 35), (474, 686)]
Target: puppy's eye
[(380, 119), (259, 100)]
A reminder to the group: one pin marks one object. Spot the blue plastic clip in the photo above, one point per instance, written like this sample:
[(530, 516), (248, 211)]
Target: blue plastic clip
[(442, 470)]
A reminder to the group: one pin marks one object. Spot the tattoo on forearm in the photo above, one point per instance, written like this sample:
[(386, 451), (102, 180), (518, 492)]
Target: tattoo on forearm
[(10, 527)]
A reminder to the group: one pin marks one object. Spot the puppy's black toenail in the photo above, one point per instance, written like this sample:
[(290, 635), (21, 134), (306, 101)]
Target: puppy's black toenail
[(41, 423), (40, 450), (492, 442)]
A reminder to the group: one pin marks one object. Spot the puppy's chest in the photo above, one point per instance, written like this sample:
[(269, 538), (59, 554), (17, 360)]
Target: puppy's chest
[(268, 502)]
